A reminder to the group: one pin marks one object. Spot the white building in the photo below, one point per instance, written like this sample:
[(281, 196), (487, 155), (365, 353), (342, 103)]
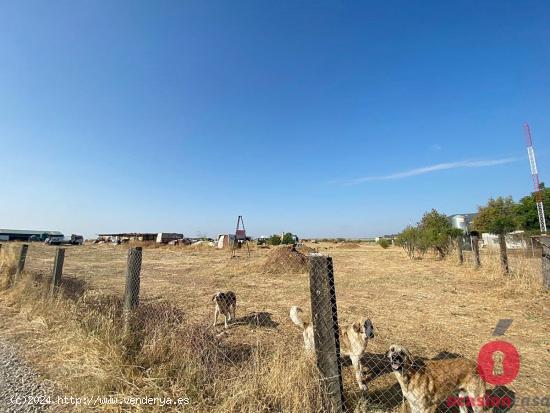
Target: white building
[(462, 221), (514, 240)]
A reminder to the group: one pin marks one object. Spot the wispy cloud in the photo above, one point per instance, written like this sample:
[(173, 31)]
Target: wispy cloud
[(433, 168)]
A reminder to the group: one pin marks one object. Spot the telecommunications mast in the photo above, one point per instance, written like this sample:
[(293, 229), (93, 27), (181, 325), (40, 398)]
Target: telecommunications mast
[(535, 175)]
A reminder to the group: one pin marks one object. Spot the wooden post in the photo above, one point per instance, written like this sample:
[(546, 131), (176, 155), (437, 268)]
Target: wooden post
[(21, 260), (503, 254), (545, 241), (131, 290), (459, 241), (57, 269), (325, 327), (475, 247)]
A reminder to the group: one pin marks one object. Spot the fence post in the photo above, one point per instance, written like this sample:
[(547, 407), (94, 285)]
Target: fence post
[(459, 241), (545, 242), (21, 260), (475, 247), (325, 326), (131, 290), (57, 268), (503, 254), (132, 341)]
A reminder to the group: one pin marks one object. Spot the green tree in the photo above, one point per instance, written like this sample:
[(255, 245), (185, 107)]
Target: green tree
[(274, 239), (526, 211), (498, 217), (288, 238), (456, 232), (409, 240), (435, 229)]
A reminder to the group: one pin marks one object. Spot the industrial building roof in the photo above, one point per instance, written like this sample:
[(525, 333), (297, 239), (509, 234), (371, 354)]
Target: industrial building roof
[(28, 232), (126, 234)]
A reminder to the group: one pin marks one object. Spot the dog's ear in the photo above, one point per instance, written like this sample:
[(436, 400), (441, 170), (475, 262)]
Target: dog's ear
[(214, 297), (356, 327)]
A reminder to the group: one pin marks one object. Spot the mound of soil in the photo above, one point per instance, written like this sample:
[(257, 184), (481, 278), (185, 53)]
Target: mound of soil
[(348, 245), (285, 260)]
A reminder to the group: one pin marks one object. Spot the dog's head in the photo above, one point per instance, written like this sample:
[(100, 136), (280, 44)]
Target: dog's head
[(400, 358), (368, 328), (364, 329), (216, 296)]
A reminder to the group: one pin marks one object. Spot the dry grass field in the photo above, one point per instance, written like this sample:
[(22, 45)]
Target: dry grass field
[(433, 307)]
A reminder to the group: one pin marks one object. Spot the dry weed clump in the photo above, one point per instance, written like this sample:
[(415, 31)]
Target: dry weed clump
[(8, 266), (285, 260)]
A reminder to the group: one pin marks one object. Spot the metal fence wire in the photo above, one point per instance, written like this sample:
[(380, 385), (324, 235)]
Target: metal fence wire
[(228, 342), (446, 382)]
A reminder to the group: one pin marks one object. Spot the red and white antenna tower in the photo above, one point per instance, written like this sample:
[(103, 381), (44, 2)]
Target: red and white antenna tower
[(535, 175)]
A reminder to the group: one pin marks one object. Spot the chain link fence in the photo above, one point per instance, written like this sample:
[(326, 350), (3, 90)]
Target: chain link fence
[(282, 339)]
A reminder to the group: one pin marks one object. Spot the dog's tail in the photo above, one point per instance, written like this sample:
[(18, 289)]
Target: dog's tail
[(295, 316)]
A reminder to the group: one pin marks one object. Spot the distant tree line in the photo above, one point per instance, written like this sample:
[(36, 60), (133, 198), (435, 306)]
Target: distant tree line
[(287, 238), (499, 216)]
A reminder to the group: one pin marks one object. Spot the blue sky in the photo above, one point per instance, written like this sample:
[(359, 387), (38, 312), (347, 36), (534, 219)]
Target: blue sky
[(322, 118)]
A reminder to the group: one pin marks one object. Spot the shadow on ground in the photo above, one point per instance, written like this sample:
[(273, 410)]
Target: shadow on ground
[(260, 319)]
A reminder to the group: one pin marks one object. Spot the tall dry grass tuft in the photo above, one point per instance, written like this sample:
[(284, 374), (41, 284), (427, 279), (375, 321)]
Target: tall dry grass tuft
[(8, 266), (524, 277), (172, 356)]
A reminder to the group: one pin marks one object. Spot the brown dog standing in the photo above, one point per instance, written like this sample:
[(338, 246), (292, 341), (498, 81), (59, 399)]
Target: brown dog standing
[(226, 304), (426, 384)]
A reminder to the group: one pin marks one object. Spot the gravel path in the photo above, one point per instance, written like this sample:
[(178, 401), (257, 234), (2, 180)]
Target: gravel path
[(18, 379)]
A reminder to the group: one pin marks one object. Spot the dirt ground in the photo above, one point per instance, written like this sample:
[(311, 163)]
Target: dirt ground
[(432, 307)]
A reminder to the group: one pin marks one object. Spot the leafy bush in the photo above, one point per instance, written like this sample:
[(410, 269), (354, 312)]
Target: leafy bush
[(289, 238), (274, 240), (435, 229), (409, 239), (384, 243), (432, 232)]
